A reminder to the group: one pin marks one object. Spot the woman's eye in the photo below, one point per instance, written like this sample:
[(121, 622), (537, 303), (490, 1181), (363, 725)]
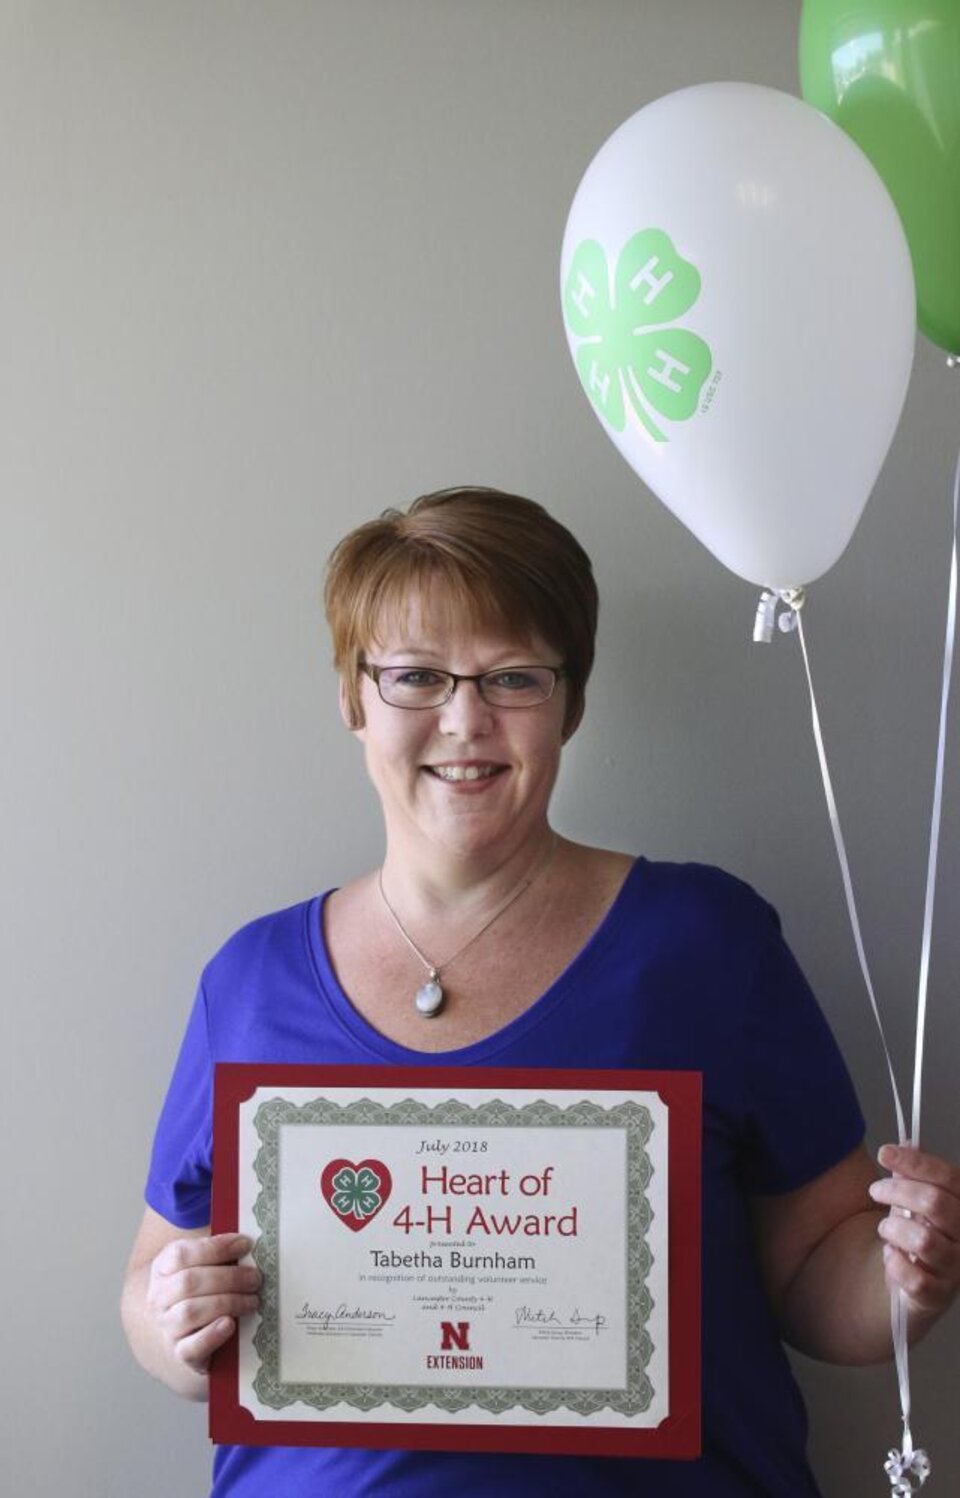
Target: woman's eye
[(511, 681), (417, 678)]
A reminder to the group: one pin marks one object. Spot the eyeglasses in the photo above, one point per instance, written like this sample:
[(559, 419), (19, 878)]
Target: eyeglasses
[(423, 686)]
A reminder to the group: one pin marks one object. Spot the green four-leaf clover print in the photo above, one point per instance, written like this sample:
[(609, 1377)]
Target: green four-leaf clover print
[(356, 1192), (627, 352)]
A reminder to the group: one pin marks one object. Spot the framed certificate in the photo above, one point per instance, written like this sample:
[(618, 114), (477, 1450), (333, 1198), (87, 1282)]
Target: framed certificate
[(462, 1258)]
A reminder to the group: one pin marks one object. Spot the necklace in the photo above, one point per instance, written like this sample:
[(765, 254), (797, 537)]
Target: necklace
[(430, 997)]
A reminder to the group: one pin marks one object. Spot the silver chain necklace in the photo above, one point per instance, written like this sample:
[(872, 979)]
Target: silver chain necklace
[(430, 997)]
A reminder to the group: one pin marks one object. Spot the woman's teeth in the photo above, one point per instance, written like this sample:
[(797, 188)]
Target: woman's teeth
[(465, 772)]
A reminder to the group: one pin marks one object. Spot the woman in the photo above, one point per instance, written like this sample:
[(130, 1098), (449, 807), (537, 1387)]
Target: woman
[(464, 633)]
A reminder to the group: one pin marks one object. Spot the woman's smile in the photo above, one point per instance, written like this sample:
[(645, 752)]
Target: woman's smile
[(467, 775)]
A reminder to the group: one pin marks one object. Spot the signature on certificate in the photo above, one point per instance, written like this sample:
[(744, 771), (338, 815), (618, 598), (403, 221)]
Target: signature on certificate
[(534, 1316), (341, 1314)]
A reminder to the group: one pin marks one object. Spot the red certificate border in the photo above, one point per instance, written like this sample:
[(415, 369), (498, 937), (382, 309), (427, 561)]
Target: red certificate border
[(677, 1436)]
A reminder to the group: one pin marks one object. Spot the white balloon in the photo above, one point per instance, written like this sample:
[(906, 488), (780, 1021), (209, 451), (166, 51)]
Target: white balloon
[(739, 300)]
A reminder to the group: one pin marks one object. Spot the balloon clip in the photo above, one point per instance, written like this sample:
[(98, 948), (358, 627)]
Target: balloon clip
[(907, 1471), (792, 600)]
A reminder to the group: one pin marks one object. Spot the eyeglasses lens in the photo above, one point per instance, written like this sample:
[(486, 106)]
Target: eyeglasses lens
[(515, 686)]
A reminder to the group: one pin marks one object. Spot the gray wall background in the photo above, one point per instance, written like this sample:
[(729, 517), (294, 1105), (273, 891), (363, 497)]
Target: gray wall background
[(265, 270)]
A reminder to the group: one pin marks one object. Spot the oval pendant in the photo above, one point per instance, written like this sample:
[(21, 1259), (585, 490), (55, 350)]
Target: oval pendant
[(429, 999)]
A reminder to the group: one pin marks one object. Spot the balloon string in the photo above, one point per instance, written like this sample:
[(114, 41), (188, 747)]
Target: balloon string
[(909, 1459), (935, 819), (847, 880), (898, 1316)]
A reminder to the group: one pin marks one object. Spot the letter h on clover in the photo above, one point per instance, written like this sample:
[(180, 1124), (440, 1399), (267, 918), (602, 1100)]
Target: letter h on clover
[(625, 349), (356, 1192)]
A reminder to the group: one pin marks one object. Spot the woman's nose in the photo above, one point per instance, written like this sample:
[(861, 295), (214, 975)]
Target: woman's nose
[(465, 712)]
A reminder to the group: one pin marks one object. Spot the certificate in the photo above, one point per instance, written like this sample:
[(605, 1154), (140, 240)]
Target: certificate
[(462, 1258)]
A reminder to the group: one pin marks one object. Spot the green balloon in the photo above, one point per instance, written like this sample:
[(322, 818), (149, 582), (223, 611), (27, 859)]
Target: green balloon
[(888, 72)]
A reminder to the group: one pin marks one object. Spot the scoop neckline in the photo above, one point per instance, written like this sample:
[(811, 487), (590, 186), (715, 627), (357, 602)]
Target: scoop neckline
[(380, 1046)]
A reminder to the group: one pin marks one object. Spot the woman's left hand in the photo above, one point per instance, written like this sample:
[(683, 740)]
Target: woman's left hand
[(921, 1233)]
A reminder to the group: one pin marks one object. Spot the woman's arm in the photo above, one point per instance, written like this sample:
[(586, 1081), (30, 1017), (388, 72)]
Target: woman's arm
[(182, 1294), (821, 1251)]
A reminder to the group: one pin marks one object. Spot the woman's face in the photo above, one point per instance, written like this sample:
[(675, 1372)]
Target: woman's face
[(417, 758)]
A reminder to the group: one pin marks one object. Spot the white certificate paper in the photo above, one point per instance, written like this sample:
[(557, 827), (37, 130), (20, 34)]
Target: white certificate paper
[(458, 1265)]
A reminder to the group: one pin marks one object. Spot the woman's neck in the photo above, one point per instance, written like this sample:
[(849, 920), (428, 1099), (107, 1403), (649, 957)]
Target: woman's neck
[(435, 884)]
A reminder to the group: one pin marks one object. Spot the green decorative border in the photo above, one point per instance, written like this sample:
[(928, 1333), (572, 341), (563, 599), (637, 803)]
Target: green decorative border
[(631, 1117)]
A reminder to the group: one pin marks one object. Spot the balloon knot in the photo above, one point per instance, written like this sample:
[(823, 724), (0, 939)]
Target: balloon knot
[(902, 1467), (792, 601)]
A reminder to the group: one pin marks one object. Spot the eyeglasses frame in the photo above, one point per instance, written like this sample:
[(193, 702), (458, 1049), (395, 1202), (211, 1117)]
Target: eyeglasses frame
[(369, 669)]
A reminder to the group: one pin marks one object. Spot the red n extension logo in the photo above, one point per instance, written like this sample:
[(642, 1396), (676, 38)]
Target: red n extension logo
[(454, 1334)]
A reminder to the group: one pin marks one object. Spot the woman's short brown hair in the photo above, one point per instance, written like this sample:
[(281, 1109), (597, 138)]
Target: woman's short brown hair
[(472, 555)]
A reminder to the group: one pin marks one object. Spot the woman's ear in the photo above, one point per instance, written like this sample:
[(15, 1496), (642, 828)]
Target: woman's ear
[(346, 711)]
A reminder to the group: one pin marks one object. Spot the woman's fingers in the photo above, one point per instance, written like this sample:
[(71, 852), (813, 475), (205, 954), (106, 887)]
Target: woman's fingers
[(188, 1316), (925, 1291), (196, 1283), (197, 1350), (905, 1160), (921, 1232), (184, 1253), (916, 1237), (922, 1184), (197, 1292), (920, 1199)]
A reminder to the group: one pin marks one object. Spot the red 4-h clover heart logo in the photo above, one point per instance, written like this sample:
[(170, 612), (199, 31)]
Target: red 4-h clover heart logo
[(356, 1193)]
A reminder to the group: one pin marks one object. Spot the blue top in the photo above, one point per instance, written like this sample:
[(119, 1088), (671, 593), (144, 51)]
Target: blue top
[(687, 971)]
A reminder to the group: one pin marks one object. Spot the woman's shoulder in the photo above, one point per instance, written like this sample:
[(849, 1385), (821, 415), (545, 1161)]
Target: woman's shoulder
[(581, 863), (702, 897), (704, 881), (255, 941), (709, 907)]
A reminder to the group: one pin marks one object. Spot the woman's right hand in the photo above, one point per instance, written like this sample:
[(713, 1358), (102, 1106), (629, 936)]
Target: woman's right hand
[(195, 1293)]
